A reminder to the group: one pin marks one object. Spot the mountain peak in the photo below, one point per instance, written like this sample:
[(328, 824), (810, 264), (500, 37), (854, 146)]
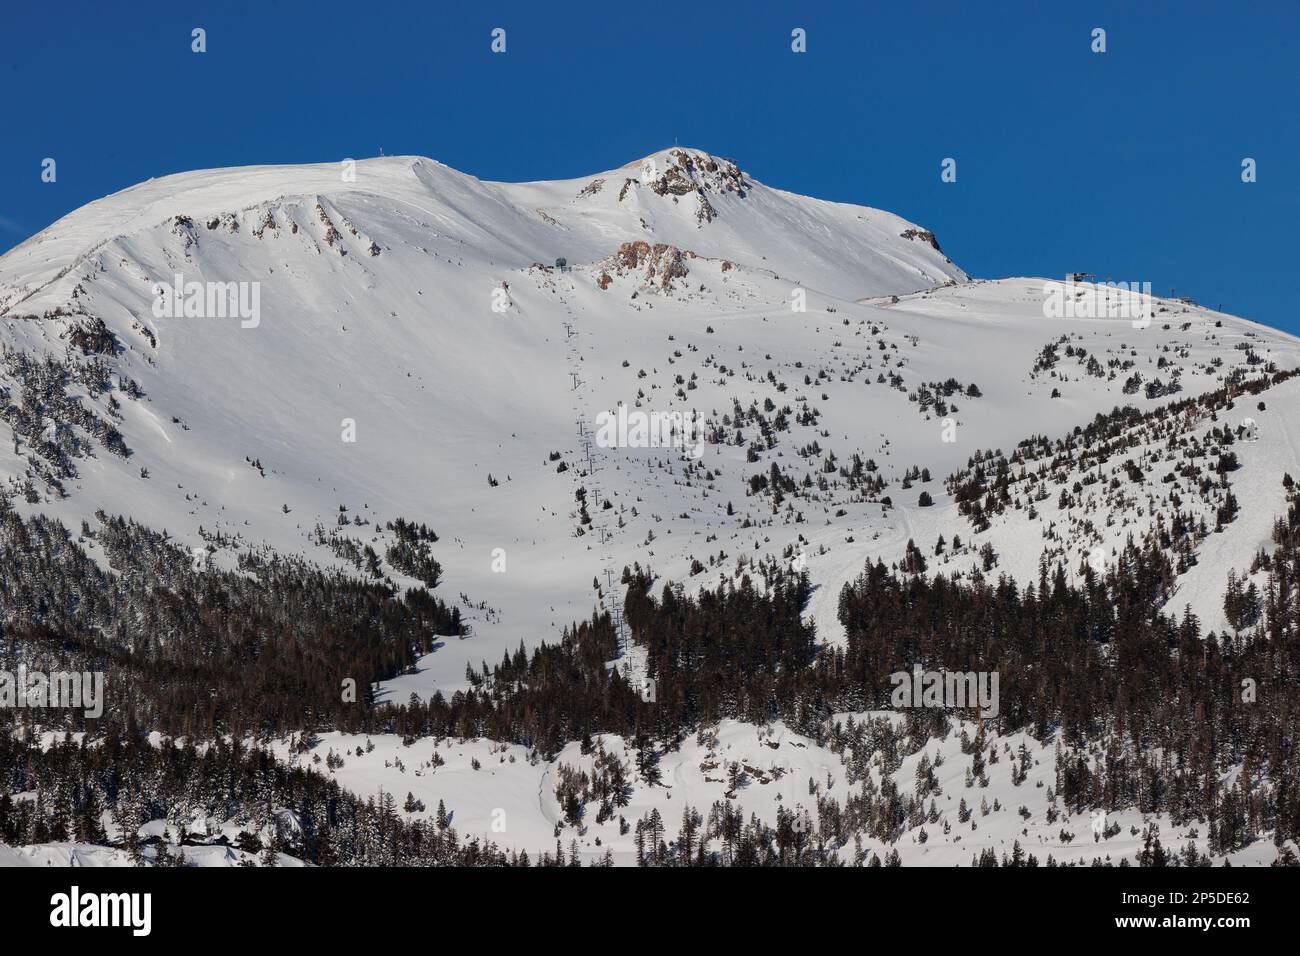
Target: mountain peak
[(679, 170), (678, 196)]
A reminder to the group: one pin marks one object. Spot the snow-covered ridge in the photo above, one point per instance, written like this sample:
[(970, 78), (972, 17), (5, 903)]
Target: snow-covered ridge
[(514, 223)]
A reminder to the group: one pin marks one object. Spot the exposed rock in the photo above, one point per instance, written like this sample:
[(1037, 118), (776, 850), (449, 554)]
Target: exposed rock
[(331, 234), (706, 211), (183, 227), (659, 264), (227, 219), (698, 172), (268, 222), (925, 235)]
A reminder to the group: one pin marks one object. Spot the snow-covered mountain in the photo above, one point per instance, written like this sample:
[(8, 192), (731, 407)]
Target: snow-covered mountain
[(408, 347), (379, 290)]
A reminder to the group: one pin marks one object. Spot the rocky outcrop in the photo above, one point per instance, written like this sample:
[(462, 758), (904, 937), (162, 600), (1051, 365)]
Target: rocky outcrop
[(925, 235), (689, 172), (268, 222), (183, 229), (227, 220), (658, 264), (332, 235)]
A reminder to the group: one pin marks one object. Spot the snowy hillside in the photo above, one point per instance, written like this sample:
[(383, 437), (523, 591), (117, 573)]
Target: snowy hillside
[(412, 350), (376, 300), (377, 315), (502, 793)]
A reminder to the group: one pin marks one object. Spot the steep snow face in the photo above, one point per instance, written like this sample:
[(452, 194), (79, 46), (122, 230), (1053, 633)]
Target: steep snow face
[(402, 345)]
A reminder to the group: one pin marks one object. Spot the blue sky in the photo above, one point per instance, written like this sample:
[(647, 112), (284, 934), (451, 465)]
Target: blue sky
[(1126, 164)]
